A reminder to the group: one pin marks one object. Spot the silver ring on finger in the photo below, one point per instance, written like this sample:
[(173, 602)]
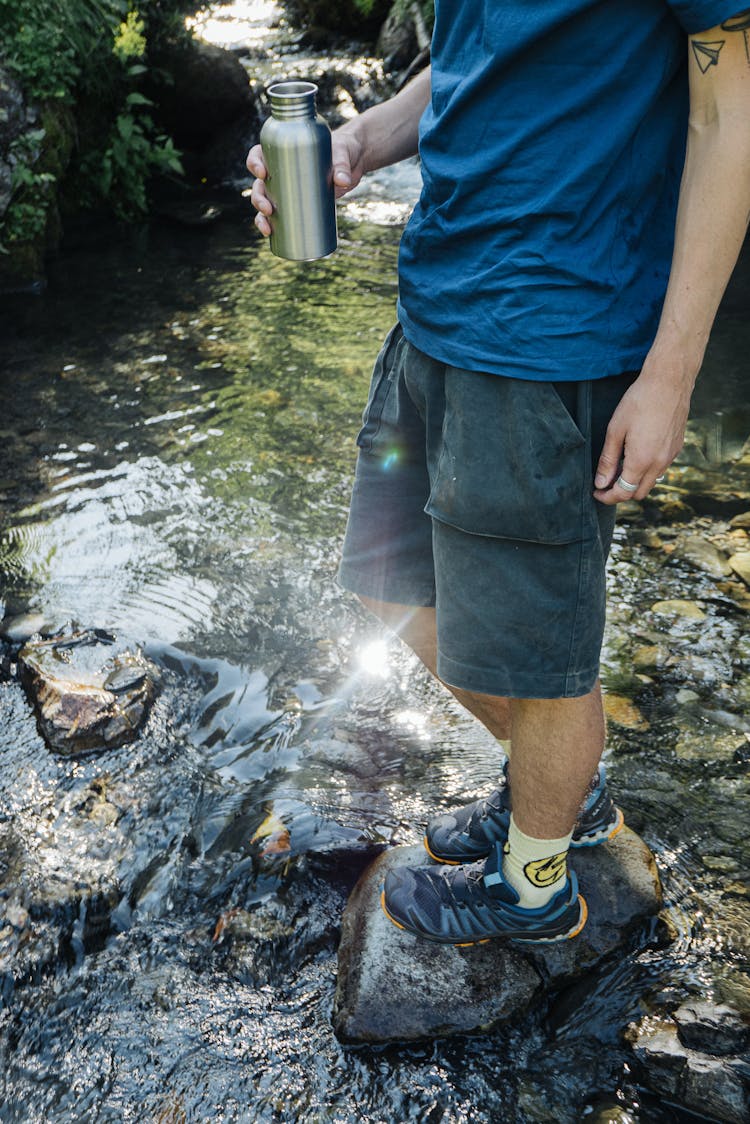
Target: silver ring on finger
[(628, 487)]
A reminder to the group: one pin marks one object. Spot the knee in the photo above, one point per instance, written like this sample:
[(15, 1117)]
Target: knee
[(414, 624)]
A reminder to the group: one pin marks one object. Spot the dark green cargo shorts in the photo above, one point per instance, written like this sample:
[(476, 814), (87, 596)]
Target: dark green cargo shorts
[(473, 493)]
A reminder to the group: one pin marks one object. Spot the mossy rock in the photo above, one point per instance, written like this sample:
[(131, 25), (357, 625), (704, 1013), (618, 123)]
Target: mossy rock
[(343, 16)]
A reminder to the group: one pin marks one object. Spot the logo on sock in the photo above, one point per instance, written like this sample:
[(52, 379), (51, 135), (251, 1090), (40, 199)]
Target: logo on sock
[(543, 872)]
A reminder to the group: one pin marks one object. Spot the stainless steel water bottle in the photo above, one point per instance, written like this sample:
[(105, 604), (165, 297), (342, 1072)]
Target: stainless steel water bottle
[(296, 146)]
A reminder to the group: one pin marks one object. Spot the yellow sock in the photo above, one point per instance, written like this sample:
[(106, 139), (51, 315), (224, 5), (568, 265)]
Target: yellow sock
[(536, 868)]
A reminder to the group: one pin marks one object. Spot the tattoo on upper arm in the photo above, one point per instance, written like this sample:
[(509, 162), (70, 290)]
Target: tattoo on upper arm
[(741, 23), (707, 53)]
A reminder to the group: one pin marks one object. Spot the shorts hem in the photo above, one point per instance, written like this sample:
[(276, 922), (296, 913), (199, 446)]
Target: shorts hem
[(486, 681), (361, 583)]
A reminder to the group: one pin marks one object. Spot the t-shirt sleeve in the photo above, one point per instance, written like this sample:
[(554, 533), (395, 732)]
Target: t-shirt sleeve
[(699, 15)]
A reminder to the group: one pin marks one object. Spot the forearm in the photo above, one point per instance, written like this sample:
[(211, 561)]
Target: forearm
[(389, 132), (712, 220), (714, 200)]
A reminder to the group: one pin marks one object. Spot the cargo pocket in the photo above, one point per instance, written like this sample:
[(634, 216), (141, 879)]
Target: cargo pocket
[(513, 462), (380, 384)]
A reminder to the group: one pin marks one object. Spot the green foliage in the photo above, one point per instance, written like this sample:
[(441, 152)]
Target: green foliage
[(133, 151), (90, 49), (46, 42)]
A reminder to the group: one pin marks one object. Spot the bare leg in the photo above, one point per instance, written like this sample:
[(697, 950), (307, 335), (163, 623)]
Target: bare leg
[(556, 743), (416, 627)]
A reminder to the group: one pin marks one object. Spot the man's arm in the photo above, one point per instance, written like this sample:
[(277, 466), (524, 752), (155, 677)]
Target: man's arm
[(648, 428), (383, 135)]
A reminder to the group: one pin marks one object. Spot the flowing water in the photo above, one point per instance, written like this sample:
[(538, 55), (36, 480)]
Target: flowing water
[(178, 417)]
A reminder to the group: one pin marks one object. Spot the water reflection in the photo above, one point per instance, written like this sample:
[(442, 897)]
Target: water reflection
[(243, 23)]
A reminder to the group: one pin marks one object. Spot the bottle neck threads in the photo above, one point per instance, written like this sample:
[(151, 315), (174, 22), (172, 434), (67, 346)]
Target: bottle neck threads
[(292, 100)]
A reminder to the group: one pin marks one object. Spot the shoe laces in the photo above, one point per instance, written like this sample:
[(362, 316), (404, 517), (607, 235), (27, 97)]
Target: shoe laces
[(460, 881), (483, 811)]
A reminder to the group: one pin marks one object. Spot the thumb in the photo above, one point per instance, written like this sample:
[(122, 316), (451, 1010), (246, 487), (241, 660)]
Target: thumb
[(609, 461)]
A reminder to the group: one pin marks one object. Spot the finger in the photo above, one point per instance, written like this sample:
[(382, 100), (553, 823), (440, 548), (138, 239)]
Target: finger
[(256, 165), (342, 177), (259, 199), (608, 466), (263, 225), (647, 482), (617, 493)]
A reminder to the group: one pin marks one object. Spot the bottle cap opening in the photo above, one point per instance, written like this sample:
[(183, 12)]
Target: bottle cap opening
[(292, 90)]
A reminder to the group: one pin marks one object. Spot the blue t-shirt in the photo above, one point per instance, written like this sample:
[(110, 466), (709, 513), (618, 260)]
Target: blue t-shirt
[(551, 158)]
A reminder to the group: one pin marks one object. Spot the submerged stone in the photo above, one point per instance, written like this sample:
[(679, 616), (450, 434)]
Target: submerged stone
[(393, 985), (86, 693), (624, 712), (740, 563), (702, 555), (678, 607)]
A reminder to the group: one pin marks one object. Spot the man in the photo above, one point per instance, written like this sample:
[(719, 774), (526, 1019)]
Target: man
[(558, 283)]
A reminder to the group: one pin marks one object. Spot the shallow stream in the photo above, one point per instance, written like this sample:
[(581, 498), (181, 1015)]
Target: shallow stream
[(179, 411)]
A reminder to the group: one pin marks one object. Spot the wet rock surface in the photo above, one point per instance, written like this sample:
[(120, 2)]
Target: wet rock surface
[(393, 986), (76, 854), (88, 692), (714, 1028), (696, 1074)]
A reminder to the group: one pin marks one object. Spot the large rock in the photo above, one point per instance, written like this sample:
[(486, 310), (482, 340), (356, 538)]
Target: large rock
[(209, 92), (343, 16), (395, 986), (87, 694)]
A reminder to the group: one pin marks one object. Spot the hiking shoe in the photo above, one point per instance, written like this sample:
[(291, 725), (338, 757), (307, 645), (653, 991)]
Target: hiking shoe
[(470, 832), (465, 905)]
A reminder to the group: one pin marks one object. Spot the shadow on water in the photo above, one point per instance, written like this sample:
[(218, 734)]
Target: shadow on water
[(177, 444)]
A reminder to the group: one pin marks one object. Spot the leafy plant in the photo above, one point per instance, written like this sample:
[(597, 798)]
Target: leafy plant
[(67, 49), (133, 152), (45, 42)]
